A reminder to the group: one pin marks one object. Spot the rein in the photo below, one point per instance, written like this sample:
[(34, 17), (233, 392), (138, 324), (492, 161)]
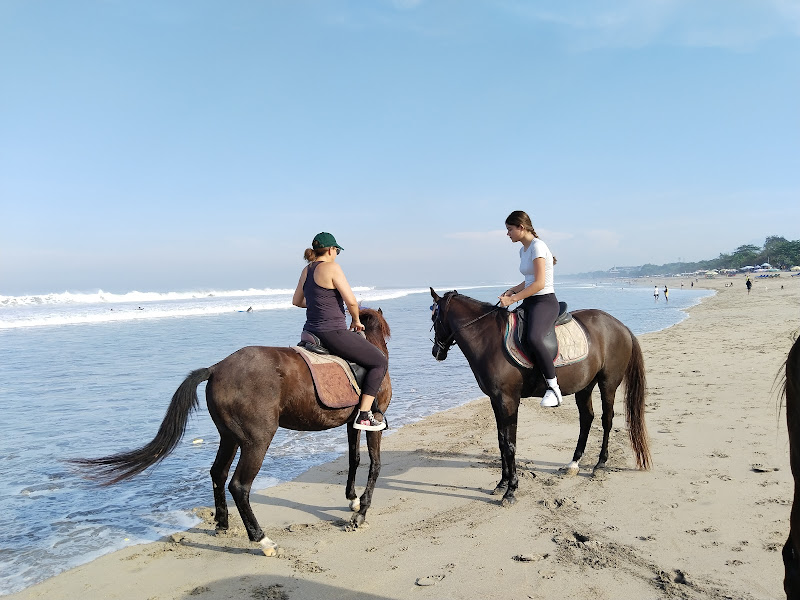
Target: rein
[(449, 341)]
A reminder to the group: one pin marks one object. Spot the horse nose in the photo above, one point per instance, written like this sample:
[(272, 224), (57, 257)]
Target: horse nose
[(438, 353)]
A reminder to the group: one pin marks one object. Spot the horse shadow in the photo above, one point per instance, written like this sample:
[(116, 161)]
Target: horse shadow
[(275, 586), (396, 476)]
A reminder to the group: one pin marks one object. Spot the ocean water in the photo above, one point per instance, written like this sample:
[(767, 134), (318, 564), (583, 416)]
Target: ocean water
[(85, 375)]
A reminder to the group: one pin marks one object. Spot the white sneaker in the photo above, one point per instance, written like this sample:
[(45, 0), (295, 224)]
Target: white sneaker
[(552, 398)]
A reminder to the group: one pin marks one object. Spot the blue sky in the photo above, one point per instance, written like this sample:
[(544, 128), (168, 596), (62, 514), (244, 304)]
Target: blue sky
[(163, 145)]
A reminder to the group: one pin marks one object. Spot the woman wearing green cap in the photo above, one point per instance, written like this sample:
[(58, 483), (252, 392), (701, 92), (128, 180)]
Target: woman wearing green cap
[(323, 291)]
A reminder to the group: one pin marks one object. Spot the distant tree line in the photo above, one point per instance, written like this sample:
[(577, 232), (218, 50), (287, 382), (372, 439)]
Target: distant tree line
[(777, 251)]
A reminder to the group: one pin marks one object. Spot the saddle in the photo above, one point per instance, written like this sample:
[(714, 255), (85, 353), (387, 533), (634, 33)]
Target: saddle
[(337, 381), (566, 340)]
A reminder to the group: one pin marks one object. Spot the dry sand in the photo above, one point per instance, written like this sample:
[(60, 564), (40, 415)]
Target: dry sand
[(707, 522)]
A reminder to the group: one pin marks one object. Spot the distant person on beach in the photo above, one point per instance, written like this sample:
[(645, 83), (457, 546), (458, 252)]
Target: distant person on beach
[(666, 294), (323, 291), (655, 292), (538, 297), (749, 284), (250, 309)]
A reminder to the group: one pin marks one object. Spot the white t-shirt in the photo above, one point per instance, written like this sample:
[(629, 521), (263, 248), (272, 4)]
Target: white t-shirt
[(537, 249)]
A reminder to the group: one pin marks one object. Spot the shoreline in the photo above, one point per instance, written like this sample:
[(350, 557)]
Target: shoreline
[(702, 515)]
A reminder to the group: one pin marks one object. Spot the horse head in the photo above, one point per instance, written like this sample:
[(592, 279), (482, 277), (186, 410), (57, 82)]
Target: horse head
[(442, 334), (375, 327)]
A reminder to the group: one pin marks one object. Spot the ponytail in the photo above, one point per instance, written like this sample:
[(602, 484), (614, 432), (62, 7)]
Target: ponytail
[(309, 255)]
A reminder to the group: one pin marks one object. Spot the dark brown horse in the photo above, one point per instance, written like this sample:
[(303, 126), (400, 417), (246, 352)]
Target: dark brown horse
[(791, 550), (249, 395), (614, 357)]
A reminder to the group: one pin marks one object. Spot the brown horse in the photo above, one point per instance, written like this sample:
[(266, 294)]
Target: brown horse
[(614, 357), (791, 549), (249, 395)]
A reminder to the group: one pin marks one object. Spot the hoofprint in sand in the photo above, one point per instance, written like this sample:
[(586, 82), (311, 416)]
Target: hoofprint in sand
[(707, 522)]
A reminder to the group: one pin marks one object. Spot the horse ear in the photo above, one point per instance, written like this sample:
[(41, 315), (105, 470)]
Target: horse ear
[(434, 295)]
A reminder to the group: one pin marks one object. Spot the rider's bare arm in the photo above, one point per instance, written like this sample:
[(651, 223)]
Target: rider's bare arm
[(299, 298), (340, 283)]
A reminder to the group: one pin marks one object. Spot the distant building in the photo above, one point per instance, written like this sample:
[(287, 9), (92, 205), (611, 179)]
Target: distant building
[(623, 271)]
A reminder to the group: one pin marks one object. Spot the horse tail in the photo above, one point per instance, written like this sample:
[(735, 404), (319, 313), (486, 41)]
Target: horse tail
[(790, 391), (118, 467), (635, 390)]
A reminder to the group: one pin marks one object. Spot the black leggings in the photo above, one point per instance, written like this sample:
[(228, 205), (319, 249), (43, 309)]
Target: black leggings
[(541, 313), (350, 345)]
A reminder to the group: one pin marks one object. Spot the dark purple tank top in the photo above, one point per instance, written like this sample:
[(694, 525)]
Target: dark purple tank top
[(324, 307)]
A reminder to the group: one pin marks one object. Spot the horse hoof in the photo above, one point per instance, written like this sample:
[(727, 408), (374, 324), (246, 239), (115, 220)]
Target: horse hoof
[(508, 501), (571, 470), (268, 547), (357, 520), (355, 505), (500, 489)]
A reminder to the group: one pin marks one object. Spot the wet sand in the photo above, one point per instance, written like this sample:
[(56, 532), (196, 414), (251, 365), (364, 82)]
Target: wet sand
[(708, 521)]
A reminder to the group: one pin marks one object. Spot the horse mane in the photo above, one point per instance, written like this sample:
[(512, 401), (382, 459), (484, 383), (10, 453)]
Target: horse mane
[(375, 326), (484, 307)]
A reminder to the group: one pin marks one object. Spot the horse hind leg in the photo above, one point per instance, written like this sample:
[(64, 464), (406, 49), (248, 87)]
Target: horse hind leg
[(219, 475), (250, 460), (607, 394), (583, 399)]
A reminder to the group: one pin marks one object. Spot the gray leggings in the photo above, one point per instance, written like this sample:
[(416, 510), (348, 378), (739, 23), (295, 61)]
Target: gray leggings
[(350, 345)]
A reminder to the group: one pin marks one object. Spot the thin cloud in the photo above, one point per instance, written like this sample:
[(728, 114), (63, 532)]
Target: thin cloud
[(549, 235), (605, 237), (632, 23), (500, 234), (477, 236)]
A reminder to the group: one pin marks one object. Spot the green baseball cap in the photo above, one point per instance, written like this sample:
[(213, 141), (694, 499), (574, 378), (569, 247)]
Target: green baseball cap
[(325, 240)]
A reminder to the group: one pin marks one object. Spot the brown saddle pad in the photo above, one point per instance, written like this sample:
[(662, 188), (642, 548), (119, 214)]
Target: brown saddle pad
[(334, 381)]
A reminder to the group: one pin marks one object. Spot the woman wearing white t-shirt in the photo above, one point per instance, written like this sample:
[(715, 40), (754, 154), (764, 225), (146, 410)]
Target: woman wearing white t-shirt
[(537, 295)]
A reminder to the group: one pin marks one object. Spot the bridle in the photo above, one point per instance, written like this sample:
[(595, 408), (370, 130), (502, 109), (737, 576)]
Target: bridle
[(442, 347)]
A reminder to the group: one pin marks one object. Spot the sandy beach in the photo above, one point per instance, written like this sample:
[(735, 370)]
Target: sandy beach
[(708, 521)]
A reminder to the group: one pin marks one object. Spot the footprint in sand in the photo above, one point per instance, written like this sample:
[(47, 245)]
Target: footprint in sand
[(530, 557), (429, 580), (759, 468), (547, 574)]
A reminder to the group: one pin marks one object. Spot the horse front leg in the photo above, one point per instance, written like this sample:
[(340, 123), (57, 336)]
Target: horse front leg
[(502, 486), (583, 399), (354, 451), (505, 413), (219, 475), (374, 448)]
